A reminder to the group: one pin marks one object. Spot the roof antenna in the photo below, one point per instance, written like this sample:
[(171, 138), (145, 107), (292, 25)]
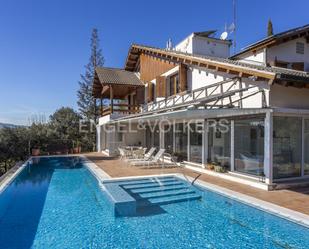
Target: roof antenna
[(234, 25), (169, 45)]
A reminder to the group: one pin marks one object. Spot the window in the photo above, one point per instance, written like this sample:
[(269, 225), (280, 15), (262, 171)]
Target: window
[(249, 146), (181, 141), (174, 84), (287, 146), (156, 137), (168, 138), (300, 48), (119, 136), (219, 145), (306, 144), (149, 137), (196, 142)]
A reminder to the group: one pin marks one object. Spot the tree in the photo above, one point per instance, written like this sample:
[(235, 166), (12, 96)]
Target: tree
[(64, 124), (13, 146), (270, 30), (87, 104)]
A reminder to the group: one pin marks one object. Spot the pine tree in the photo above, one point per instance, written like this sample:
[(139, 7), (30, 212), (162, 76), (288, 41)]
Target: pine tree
[(270, 30), (87, 104)]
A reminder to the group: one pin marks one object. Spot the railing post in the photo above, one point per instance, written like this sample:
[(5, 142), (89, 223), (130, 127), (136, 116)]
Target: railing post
[(111, 98)]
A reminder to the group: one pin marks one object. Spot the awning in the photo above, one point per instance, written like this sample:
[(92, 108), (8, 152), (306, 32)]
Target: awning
[(123, 82)]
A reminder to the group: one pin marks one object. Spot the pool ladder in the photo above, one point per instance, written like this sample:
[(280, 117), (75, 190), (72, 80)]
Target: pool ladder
[(195, 179)]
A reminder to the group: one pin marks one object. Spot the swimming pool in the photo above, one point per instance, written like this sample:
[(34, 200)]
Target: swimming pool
[(58, 203)]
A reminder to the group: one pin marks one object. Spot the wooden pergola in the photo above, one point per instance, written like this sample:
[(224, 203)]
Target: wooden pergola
[(109, 84)]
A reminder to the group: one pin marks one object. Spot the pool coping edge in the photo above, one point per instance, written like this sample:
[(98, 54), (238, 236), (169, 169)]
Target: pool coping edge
[(282, 212), (10, 175)]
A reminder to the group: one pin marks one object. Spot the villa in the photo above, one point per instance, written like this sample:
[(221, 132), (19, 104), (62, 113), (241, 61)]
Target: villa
[(188, 140), (180, 97)]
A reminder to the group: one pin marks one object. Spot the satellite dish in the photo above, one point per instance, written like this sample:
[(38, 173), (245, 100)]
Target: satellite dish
[(224, 35)]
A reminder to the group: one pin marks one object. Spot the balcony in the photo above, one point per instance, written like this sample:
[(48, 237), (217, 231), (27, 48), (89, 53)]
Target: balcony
[(123, 90), (120, 109)]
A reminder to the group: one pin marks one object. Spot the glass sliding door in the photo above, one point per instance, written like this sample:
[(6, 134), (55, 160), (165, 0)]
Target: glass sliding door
[(306, 147), (168, 138), (249, 146), (287, 147), (196, 146), (219, 145), (149, 136), (156, 137), (181, 141)]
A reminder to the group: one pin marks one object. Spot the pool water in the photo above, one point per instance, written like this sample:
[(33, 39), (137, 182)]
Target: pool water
[(57, 203)]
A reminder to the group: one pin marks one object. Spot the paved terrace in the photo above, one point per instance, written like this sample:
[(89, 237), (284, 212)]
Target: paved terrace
[(296, 199)]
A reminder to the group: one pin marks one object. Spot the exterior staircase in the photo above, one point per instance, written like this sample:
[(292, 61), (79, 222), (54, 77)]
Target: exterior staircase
[(160, 191)]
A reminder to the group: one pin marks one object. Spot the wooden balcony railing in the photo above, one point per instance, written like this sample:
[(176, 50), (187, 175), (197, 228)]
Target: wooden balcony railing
[(120, 108)]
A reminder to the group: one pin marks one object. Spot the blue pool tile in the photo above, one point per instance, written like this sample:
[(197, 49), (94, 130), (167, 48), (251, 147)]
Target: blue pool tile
[(58, 204)]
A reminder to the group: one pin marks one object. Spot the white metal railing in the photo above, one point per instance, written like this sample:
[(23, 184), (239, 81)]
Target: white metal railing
[(200, 94)]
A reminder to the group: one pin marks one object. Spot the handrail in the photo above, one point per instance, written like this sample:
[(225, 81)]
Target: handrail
[(183, 97), (195, 179), (120, 108)]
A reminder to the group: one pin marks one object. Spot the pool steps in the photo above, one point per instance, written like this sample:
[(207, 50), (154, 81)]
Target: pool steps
[(130, 195)]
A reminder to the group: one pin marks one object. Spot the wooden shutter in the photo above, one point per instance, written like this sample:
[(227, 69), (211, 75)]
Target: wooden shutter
[(140, 95), (183, 78), (160, 86), (150, 92)]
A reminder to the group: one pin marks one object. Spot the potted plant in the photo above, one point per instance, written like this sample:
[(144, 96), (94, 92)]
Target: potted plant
[(219, 169), (211, 165), (35, 150), (76, 147), (79, 147)]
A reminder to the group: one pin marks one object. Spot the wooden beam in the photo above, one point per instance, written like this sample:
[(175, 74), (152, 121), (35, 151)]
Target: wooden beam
[(111, 97), (213, 64), (104, 89)]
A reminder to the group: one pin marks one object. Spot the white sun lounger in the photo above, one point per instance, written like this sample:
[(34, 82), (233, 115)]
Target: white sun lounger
[(155, 160), (147, 156)]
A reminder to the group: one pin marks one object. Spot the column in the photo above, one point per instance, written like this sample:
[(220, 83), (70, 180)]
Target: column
[(268, 148), (232, 146), (205, 144), (98, 138)]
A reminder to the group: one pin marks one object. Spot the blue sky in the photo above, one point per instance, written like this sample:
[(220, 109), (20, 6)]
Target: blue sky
[(44, 45)]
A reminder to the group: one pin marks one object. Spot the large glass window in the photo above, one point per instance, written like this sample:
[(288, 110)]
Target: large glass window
[(249, 146), (219, 144), (287, 146), (181, 141), (306, 148), (156, 137), (149, 135), (168, 138), (196, 139)]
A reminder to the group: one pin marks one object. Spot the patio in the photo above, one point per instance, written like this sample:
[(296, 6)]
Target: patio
[(296, 199)]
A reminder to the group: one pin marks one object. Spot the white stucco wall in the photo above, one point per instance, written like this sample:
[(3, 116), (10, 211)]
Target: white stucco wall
[(287, 52), (204, 46), (185, 45), (258, 58), (210, 47), (200, 77), (289, 97)]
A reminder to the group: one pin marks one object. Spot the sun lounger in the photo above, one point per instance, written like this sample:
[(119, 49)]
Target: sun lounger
[(153, 161), (146, 157)]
